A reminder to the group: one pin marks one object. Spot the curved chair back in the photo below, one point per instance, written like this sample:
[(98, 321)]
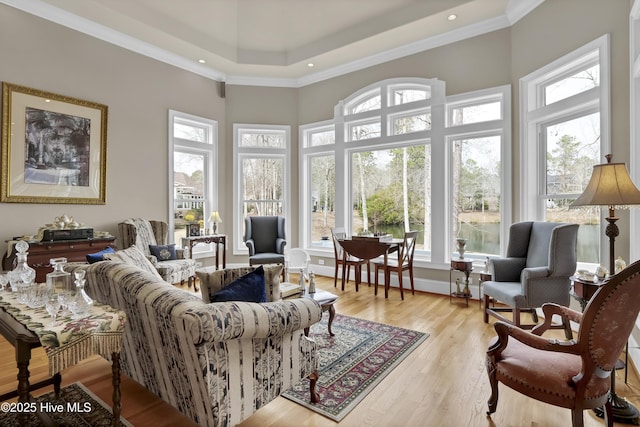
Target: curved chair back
[(608, 320), (299, 260)]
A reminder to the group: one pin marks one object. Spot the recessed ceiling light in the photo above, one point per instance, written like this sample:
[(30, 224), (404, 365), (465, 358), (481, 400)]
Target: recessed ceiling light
[(310, 64), (202, 61), (452, 17)]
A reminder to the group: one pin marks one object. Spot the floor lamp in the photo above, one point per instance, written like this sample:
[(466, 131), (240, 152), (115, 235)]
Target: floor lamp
[(610, 185)]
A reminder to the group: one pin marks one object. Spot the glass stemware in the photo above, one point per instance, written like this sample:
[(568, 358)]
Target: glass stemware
[(4, 280), (52, 305), (65, 297)]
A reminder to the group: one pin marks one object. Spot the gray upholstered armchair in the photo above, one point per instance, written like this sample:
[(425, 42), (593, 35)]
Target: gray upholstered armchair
[(264, 236), (541, 256)]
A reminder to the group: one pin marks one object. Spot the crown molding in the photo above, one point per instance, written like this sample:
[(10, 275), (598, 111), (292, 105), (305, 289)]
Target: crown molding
[(516, 9)]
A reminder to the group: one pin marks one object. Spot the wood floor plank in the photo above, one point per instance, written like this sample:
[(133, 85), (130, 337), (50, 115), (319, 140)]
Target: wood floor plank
[(442, 383)]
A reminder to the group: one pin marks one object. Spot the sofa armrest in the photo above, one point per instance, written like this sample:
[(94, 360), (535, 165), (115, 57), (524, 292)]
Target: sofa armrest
[(225, 321)]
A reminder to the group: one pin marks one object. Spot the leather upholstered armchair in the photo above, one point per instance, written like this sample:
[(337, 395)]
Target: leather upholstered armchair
[(573, 374)]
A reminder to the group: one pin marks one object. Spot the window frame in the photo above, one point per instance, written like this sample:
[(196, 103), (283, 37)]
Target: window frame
[(438, 137), (535, 116), (209, 150), (239, 154)]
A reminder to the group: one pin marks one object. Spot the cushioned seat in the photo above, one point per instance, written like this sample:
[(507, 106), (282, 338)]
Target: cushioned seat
[(145, 235)]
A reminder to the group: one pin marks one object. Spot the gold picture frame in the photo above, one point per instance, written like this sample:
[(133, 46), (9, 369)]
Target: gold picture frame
[(54, 148)]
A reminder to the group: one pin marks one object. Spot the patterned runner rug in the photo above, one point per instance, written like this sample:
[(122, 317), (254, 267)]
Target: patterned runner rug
[(80, 408), (353, 362)]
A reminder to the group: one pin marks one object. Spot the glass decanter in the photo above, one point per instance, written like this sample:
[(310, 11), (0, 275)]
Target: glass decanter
[(59, 281), (80, 304), (22, 275)]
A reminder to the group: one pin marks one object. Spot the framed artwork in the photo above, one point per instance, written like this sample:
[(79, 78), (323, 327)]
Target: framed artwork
[(54, 148), (194, 229)]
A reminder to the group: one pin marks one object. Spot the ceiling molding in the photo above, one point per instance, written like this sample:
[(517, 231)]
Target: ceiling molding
[(515, 10)]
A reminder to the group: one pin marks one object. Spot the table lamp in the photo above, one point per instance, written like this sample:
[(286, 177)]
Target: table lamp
[(215, 219), (610, 185)]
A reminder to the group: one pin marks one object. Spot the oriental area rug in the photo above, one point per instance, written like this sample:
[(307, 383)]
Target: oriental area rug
[(353, 362), (80, 408)]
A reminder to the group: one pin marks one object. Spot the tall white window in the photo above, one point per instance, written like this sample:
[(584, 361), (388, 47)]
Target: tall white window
[(399, 156), (565, 131), (192, 165), (261, 177)]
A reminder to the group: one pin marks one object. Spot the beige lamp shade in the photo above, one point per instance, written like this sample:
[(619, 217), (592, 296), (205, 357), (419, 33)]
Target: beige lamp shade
[(215, 217), (610, 185)]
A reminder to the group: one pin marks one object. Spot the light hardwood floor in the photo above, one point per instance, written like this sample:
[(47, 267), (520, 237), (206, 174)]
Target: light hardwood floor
[(442, 383)]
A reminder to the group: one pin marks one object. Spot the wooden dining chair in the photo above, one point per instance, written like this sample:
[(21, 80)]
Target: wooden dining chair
[(404, 262), (339, 233)]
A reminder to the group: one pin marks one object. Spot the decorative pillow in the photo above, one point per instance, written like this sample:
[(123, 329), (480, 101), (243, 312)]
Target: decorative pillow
[(91, 258), (164, 252), (134, 256), (249, 288)]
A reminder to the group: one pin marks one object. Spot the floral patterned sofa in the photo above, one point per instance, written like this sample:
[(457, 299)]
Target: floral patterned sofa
[(216, 363)]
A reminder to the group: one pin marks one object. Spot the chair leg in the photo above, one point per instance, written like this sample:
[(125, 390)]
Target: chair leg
[(345, 271), (568, 333), (369, 274), (485, 314), (577, 419), (400, 284), (413, 291), (375, 291), (493, 399), (335, 276), (387, 282)]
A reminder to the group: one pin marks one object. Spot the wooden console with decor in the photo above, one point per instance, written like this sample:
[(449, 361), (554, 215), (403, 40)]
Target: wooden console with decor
[(41, 252)]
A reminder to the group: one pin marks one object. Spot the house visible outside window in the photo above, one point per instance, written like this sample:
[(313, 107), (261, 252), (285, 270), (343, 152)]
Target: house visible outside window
[(565, 132), (192, 166), (399, 156), (261, 178)]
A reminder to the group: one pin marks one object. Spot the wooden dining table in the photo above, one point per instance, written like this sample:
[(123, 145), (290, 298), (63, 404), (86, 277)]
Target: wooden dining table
[(368, 248)]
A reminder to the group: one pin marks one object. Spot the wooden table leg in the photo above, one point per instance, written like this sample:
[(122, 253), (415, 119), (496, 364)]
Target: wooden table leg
[(115, 372), (57, 379), (332, 315)]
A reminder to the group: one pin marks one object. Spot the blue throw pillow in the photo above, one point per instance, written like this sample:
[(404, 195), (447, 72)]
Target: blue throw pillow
[(163, 252), (250, 288), (91, 258)]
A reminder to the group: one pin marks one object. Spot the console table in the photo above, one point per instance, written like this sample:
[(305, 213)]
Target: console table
[(465, 267), (218, 239), (65, 344), (41, 252)]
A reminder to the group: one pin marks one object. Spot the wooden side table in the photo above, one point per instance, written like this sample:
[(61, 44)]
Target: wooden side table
[(465, 267), (218, 239), (76, 339), (326, 301)]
